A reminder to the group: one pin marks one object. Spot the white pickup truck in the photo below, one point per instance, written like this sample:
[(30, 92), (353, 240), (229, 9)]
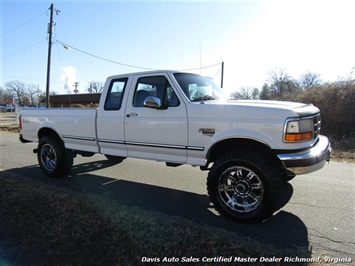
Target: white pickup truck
[(249, 147)]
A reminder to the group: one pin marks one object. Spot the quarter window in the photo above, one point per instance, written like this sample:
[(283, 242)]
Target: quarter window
[(115, 94)]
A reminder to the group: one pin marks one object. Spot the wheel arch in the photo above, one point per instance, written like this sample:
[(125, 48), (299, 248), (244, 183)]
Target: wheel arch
[(47, 131), (232, 144)]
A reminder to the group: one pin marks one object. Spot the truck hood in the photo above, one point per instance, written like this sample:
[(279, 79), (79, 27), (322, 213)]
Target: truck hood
[(264, 103), (301, 109)]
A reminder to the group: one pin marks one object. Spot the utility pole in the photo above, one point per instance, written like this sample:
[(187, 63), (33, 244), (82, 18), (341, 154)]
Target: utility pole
[(50, 26), (222, 75), (76, 84), (50, 29)]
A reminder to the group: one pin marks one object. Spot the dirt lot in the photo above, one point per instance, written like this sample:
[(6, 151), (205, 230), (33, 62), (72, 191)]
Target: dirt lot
[(9, 122)]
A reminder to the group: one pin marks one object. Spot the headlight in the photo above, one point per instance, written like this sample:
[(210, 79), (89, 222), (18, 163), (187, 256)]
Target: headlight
[(299, 129)]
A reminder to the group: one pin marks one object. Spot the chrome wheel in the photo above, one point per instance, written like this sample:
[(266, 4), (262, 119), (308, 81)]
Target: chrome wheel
[(53, 158), (48, 157), (240, 189)]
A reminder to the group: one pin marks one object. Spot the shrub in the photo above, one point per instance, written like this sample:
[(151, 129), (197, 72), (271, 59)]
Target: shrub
[(336, 102)]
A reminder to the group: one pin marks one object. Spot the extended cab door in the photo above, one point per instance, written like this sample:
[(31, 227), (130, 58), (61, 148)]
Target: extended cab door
[(156, 133), (111, 116)]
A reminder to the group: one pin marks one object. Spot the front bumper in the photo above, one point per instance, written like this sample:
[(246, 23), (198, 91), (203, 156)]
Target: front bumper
[(307, 161)]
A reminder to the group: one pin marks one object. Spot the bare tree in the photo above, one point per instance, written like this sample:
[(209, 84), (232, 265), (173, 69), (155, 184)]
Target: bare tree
[(279, 80), (246, 94), (95, 87), (2, 92), (309, 79), (17, 87), (5, 96), (282, 85), (32, 92)]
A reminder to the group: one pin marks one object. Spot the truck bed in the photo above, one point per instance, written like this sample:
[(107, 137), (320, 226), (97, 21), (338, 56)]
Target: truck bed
[(74, 125)]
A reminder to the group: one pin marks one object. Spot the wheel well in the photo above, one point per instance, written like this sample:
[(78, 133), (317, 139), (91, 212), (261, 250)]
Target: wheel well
[(48, 132), (229, 145)]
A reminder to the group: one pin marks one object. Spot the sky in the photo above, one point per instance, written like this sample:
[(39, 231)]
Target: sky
[(93, 40)]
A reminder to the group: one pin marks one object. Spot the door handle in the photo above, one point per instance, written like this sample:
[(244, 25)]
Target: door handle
[(132, 114)]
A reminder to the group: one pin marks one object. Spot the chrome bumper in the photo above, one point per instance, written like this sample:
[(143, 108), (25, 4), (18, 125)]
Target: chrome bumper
[(308, 161)]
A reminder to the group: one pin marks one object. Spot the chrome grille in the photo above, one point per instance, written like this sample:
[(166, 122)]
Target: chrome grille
[(317, 125)]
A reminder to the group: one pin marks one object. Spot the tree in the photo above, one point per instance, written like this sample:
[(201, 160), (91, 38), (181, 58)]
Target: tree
[(95, 87), (309, 79), (32, 92), (17, 87), (5, 95), (283, 86), (265, 93), (246, 94)]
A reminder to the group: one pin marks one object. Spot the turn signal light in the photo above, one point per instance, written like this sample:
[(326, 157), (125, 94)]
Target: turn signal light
[(298, 136)]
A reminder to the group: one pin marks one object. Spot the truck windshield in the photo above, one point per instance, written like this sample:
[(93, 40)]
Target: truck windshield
[(198, 88)]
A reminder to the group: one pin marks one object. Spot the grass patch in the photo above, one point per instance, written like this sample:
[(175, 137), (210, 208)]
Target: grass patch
[(43, 225)]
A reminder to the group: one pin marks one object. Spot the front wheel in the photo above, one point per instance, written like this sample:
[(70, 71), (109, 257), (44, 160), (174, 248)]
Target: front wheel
[(53, 158), (244, 186)]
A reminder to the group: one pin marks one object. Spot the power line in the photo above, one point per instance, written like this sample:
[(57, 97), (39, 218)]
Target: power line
[(22, 49), (197, 68), (23, 23), (101, 58), (219, 69), (66, 46)]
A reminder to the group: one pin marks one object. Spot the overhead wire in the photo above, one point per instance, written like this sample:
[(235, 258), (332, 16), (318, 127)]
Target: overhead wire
[(66, 46), (197, 68), (23, 49), (19, 26), (102, 58), (13, 29), (219, 69)]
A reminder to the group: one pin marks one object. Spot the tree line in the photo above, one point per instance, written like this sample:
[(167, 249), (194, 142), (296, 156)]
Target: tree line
[(279, 86), (336, 101), (30, 94)]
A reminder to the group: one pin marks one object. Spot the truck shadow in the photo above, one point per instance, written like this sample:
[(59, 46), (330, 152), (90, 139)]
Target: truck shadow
[(283, 229)]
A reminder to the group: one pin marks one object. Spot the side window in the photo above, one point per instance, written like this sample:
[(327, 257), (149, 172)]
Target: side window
[(115, 94), (156, 86)]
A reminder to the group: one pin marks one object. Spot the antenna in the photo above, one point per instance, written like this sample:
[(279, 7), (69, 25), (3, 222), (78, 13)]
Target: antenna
[(222, 75), (199, 39)]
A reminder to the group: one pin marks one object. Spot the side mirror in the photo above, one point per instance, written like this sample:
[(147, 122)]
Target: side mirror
[(152, 102)]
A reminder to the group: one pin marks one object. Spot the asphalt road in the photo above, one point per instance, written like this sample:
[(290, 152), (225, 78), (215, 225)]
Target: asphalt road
[(318, 210)]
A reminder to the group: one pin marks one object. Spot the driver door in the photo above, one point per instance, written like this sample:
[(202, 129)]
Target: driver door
[(159, 133)]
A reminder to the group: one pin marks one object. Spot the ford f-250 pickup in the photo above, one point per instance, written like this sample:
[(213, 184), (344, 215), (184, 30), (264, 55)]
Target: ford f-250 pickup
[(249, 147)]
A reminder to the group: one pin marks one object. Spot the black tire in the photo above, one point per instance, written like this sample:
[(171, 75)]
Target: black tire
[(53, 158), (245, 186), (114, 159)]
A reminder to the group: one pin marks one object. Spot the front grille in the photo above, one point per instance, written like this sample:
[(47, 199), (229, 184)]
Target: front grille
[(317, 125)]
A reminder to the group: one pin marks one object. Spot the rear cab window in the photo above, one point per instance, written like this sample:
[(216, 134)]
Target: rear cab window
[(115, 94)]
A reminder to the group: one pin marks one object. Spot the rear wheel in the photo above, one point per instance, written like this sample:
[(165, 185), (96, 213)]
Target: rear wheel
[(53, 158), (244, 186)]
